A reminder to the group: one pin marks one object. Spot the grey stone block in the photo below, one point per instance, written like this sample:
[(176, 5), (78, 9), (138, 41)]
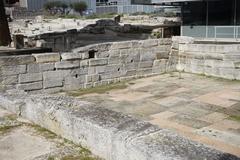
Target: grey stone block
[(84, 63), (67, 64), (9, 80), (147, 55), (16, 60), (98, 62), (12, 70), (30, 77), (165, 41), (100, 69), (92, 78), (30, 86), (53, 75), (92, 70), (114, 53), (121, 45), (47, 57), (114, 60), (78, 71), (146, 64), (130, 55), (71, 56), (149, 43), (52, 83)]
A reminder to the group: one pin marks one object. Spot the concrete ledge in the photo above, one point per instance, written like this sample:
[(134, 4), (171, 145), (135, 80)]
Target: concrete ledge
[(109, 134)]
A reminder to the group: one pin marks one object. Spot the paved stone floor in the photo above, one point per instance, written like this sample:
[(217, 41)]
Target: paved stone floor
[(21, 140), (204, 109)]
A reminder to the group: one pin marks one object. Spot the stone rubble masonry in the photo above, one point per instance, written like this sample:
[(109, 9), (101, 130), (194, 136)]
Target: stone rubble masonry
[(104, 63), (110, 135)]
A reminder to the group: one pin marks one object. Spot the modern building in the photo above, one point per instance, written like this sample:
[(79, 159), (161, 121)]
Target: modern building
[(35, 5), (121, 6), (205, 18)]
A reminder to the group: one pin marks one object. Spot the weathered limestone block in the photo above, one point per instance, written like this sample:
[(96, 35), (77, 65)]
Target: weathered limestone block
[(40, 67), (130, 55), (47, 57), (150, 43), (92, 78), (16, 60), (71, 56), (114, 53), (219, 63), (131, 66), (147, 55), (165, 41), (114, 60), (92, 70), (67, 64), (77, 72), (237, 74), (103, 54), (8, 80), (232, 56), (102, 47), (30, 86), (100, 69), (113, 68), (121, 45), (146, 64), (227, 73), (30, 77), (145, 71), (98, 62), (12, 70), (74, 83), (53, 79), (162, 54), (183, 39), (160, 63), (84, 55), (131, 72), (84, 63), (52, 83), (136, 44)]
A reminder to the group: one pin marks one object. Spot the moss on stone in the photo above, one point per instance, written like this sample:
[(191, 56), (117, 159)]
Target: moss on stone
[(235, 118), (99, 89)]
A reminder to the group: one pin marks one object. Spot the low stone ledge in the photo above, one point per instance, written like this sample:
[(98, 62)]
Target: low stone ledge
[(47, 57), (109, 134), (16, 60)]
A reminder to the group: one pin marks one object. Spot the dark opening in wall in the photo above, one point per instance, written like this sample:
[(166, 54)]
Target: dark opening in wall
[(92, 53)]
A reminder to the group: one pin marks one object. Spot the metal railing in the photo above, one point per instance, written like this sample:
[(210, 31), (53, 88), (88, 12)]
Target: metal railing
[(211, 31), (227, 32)]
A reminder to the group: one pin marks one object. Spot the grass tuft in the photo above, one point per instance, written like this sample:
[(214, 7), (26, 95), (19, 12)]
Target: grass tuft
[(235, 118), (99, 89)]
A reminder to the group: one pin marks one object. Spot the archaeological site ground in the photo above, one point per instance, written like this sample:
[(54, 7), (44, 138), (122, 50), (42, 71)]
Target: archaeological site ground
[(102, 89)]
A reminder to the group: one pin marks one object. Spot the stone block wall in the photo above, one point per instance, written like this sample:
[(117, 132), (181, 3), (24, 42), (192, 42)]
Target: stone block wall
[(217, 60), (86, 67)]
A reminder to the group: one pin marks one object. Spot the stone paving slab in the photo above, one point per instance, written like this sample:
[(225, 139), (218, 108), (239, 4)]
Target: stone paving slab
[(182, 105)]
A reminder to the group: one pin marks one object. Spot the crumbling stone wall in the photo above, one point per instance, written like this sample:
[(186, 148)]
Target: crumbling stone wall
[(85, 67), (217, 59)]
